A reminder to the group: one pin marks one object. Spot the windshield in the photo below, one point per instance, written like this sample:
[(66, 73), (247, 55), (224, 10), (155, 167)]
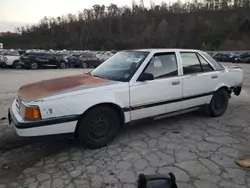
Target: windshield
[(121, 66)]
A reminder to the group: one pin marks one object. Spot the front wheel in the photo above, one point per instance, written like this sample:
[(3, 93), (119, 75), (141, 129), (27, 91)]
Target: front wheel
[(15, 65), (219, 103), (4, 65), (98, 127)]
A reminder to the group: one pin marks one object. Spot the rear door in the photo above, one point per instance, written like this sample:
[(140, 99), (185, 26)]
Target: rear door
[(50, 59), (41, 58), (200, 79)]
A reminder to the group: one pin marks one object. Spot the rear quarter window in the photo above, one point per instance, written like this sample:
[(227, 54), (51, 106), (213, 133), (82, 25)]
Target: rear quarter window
[(215, 63)]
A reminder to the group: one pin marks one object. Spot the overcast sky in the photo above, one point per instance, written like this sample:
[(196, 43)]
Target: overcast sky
[(15, 13)]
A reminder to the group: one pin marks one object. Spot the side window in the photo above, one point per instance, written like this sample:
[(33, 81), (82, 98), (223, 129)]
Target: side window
[(215, 64), (163, 65), (205, 65), (190, 63), (48, 56), (40, 55)]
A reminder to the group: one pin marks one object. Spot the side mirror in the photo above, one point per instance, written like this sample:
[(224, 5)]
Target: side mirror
[(146, 76)]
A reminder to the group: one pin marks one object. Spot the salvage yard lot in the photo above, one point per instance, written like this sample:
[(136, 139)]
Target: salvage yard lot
[(199, 150)]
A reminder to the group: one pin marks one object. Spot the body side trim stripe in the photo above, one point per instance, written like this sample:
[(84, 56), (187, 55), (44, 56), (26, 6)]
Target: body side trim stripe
[(70, 118), (45, 122), (137, 107)]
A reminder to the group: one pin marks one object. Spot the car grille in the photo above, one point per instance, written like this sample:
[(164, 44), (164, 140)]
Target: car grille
[(18, 103)]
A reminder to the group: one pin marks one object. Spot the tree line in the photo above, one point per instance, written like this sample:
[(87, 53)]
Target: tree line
[(207, 25)]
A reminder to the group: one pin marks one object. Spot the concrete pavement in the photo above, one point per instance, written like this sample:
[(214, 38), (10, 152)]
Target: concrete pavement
[(198, 149)]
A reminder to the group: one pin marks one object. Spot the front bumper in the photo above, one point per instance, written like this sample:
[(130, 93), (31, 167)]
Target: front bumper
[(51, 126), (23, 64)]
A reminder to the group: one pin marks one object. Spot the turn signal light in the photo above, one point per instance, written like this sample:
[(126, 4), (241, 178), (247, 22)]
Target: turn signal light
[(32, 113)]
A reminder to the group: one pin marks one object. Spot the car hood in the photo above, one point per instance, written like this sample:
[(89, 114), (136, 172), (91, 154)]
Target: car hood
[(46, 88)]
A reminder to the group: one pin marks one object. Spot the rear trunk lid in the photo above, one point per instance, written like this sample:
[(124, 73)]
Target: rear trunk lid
[(234, 75)]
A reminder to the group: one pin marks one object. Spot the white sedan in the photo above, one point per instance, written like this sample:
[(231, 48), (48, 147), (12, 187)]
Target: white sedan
[(10, 60), (129, 86)]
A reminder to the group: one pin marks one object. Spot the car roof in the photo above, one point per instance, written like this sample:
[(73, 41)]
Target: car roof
[(155, 50)]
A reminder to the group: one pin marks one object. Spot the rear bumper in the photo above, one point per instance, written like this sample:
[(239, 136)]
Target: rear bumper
[(236, 90)]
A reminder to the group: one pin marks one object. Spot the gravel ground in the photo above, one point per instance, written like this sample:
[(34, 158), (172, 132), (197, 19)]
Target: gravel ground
[(199, 150)]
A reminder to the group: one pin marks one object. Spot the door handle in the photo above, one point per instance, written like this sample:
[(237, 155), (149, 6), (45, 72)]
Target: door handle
[(214, 77), (175, 83)]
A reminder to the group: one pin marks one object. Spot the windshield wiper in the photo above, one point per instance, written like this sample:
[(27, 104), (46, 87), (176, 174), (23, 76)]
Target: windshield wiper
[(89, 73), (97, 76)]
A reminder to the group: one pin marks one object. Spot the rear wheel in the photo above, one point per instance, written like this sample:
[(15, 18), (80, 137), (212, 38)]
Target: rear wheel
[(84, 65), (34, 65), (62, 65), (98, 127), (219, 103)]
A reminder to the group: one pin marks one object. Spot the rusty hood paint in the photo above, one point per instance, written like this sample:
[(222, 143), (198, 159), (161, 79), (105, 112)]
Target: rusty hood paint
[(50, 87)]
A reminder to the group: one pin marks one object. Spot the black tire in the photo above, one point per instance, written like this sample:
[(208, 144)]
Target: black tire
[(98, 127), (62, 65), (4, 65), (84, 65), (33, 65), (15, 65), (218, 104)]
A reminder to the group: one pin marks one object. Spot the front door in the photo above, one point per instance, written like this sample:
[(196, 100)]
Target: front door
[(200, 80), (161, 95)]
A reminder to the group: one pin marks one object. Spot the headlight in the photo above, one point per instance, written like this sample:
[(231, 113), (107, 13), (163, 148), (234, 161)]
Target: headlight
[(30, 112)]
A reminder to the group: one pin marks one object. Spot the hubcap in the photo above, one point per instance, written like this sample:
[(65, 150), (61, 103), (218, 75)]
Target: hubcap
[(84, 65), (99, 128), (62, 65), (33, 65)]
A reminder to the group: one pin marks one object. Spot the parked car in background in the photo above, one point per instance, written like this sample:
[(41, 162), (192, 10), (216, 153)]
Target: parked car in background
[(129, 86), (243, 58), (35, 60), (9, 60), (2, 62), (216, 56), (223, 57), (73, 60), (85, 60)]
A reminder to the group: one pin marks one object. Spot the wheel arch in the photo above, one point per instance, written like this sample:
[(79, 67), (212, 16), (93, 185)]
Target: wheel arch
[(15, 61), (114, 106), (219, 88), (223, 86)]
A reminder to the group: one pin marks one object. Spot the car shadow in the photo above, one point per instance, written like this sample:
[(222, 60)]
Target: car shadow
[(18, 154)]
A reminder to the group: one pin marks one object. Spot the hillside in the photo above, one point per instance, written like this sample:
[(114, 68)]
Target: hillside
[(211, 25)]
